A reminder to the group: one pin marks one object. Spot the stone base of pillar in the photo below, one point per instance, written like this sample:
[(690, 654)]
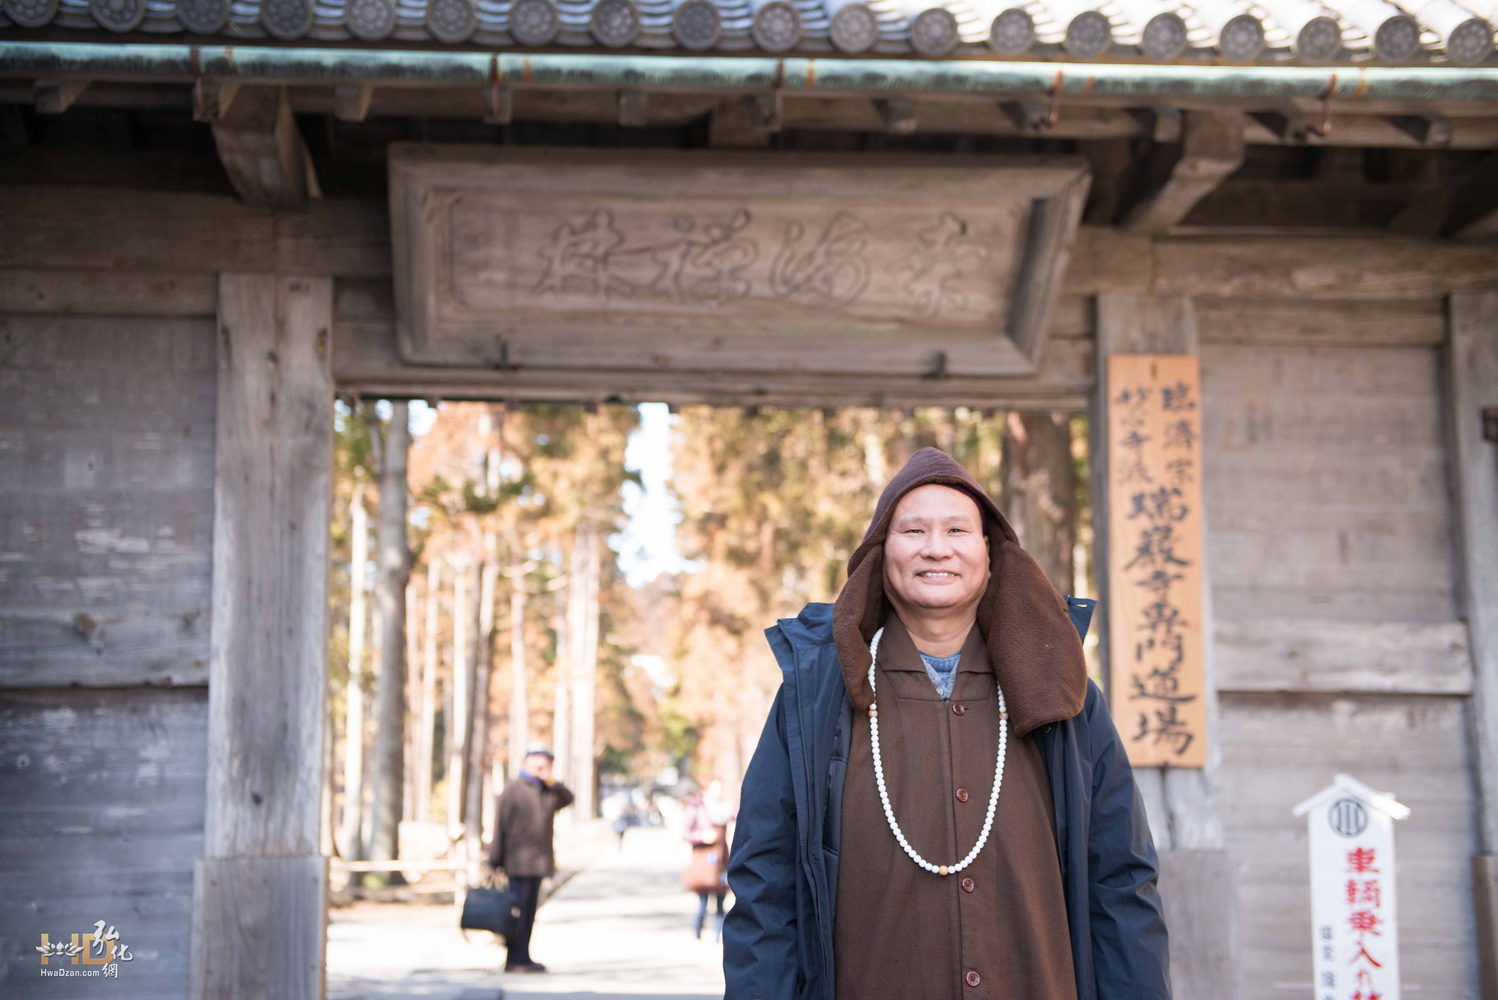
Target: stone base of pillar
[(259, 928), (1197, 889)]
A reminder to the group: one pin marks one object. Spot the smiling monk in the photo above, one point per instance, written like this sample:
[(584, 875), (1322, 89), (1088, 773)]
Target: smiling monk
[(940, 806)]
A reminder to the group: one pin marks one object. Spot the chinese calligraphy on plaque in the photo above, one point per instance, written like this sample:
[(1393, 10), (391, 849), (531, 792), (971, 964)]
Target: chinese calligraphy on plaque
[(1155, 558), (1354, 933), (660, 263)]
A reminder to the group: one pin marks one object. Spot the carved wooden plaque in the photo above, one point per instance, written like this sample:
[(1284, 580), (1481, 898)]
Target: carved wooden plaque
[(712, 261), (1156, 648)]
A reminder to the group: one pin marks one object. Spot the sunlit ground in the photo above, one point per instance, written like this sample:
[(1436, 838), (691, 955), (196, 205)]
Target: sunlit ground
[(621, 928)]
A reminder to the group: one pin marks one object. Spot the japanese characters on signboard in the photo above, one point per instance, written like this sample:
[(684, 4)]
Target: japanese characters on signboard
[(1155, 558), (1354, 932)]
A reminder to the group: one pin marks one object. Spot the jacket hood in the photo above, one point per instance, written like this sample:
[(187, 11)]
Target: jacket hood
[(1027, 629)]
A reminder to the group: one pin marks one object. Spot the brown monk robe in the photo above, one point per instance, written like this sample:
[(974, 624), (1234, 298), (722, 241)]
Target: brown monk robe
[(998, 929)]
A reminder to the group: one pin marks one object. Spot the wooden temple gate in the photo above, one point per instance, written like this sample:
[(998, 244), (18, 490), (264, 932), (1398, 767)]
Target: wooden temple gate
[(173, 334)]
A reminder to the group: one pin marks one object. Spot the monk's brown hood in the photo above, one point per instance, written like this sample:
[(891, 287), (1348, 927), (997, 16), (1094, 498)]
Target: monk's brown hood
[(1031, 641)]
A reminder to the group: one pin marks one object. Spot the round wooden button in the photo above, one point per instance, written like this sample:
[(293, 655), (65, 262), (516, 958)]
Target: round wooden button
[(962, 795), (958, 708), (973, 979), (968, 885)]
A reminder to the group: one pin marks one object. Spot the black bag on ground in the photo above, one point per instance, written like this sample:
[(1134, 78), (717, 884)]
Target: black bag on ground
[(486, 908)]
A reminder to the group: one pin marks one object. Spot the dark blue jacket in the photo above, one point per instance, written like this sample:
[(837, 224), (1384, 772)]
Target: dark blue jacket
[(777, 939)]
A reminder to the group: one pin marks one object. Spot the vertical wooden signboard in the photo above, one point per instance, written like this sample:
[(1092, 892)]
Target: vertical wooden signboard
[(1155, 558)]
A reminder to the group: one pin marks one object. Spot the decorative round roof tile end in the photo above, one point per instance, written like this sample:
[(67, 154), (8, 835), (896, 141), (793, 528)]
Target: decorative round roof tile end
[(1088, 35), (1163, 37), (451, 21), (697, 25), (1242, 39), (854, 29), (777, 26), (1012, 32), (203, 17), (614, 23), (534, 22), (118, 15), (1319, 40), (30, 13), (1397, 39), (286, 20), (1470, 42), (933, 32), (370, 20)]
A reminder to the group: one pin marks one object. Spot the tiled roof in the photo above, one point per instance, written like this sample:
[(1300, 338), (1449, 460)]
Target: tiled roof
[(1442, 32)]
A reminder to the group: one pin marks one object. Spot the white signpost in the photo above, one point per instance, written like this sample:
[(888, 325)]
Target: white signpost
[(1354, 929)]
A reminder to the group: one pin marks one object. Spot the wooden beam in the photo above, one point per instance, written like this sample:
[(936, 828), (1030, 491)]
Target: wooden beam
[(634, 109), (1212, 150), (898, 115), (731, 126), (107, 293), (765, 111), (53, 97), (258, 927), (1292, 126), (366, 363), (500, 106), (1161, 123), (1472, 385), (1429, 130), (263, 152), (1030, 117), (1306, 655), (1465, 207), (351, 102), (211, 99), (172, 233), (177, 233), (1316, 267), (1323, 322)]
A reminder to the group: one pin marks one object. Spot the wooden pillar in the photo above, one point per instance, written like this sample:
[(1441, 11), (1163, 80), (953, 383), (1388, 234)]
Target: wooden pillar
[(1195, 873), (1472, 388), (258, 925)]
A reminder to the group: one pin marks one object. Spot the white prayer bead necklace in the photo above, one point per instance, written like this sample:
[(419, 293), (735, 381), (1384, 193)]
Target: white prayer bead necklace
[(889, 812)]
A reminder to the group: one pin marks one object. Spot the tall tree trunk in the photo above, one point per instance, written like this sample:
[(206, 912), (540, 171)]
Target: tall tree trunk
[(1040, 490), (561, 712), (585, 666), (413, 700), (390, 692), (325, 840), (520, 734), (353, 736), (478, 746), (426, 730), (462, 710)]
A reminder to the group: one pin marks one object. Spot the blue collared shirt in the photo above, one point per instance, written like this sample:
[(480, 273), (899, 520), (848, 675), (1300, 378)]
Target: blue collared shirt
[(943, 672)]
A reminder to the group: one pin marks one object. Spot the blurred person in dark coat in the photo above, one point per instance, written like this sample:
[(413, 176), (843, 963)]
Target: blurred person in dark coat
[(525, 815)]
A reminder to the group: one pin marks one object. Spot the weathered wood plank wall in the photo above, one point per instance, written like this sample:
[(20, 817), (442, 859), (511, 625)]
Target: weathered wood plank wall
[(100, 817), (106, 520), (1330, 517)]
